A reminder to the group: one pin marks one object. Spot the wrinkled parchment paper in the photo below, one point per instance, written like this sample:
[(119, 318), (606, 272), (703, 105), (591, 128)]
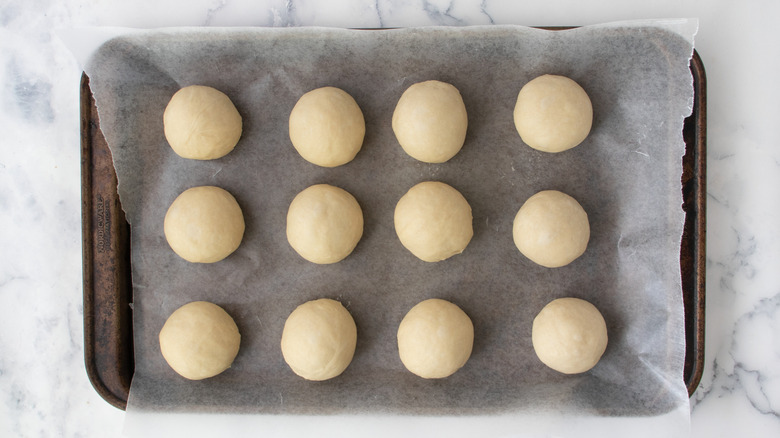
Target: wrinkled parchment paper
[(626, 175)]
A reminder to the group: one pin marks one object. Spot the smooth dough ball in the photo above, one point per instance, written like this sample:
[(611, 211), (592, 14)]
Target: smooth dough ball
[(199, 340), (551, 229), (319, 339), (569, 335), (204, 224), (435, 339), (327, 127), (324, 224), (430, 121), (201, 123), (553, 113), (433, 221)]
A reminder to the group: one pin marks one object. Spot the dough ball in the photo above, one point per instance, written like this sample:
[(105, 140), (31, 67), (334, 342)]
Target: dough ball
[(327, 127), (201, 123), (324, 224), (553, 113), (319, 339), (430, 121), (204, 224), (551, 229), (199, 340), (433, 221), (569, 335), (435, 339)]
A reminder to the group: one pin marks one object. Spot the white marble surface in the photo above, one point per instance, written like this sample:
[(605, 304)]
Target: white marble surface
[(44, 389)]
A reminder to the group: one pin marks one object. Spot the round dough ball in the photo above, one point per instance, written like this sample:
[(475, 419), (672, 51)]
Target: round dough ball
[(204, 224), (569, 335), (201, 123), (553, 113), (551, 229), (199, 340), (319, 339), (324, 224), (433, 221), (327, 127), (435, 339), (430, 121)]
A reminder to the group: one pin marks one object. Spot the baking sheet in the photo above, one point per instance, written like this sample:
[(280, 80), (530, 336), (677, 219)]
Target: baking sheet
[(626, 175)]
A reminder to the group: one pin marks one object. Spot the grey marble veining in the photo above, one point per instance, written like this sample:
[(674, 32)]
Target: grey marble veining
[(741, 378), (44, 390)]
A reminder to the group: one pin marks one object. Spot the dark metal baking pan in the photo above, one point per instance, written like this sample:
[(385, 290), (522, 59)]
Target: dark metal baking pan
[(108, 329)]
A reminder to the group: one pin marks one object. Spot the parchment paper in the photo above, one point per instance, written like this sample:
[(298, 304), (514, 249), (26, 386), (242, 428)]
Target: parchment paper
[(626, 175)]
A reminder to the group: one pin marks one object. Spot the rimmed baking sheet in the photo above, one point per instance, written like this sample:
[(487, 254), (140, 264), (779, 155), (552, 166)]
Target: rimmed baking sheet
[(102, 228)]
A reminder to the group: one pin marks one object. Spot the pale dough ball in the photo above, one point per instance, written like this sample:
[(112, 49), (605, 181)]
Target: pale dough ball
[(553, 113), (319, 339), (430, 121), (324, 224), (435, 339), (204, 224), (327, 127), (569, 335), (433, 221), (551, 229), (201, 123), (199, 340)]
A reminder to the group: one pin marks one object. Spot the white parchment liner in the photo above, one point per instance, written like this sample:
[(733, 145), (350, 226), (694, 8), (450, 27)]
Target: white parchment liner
[(626, 175)]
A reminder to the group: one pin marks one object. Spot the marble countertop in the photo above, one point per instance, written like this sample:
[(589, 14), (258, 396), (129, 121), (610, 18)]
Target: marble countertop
[(44, 390)]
